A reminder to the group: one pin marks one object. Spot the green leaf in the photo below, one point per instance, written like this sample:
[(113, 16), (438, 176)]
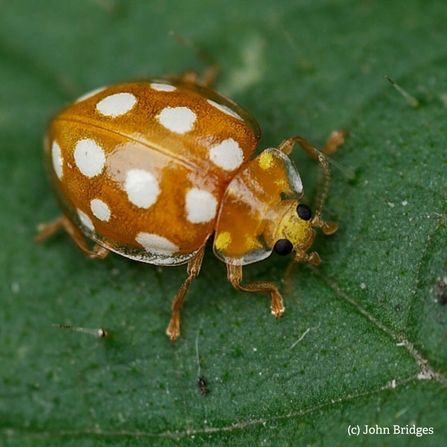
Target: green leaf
[(362, 342)]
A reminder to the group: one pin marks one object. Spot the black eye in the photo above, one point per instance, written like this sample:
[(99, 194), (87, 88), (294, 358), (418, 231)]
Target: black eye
[(304, 211), (283, 247)]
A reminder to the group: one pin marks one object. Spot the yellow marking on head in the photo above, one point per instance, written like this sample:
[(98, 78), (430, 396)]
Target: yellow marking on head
[(222, 240), (266, 160)]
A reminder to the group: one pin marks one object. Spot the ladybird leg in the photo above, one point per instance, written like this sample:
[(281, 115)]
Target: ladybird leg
[(48, 229), (45, 230), (336, 139), (234, 274), (208, 77), (190, 76), (300, 255), (312, 258), (193, 270)]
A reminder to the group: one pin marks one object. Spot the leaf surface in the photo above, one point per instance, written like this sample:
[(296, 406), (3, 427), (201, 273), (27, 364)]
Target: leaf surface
[(362, 342)]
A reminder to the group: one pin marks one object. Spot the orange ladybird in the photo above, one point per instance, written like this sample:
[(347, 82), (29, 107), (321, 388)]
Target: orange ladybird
[(150, 170)]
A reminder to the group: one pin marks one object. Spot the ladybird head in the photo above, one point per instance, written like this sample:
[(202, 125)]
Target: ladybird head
[(295, 232)]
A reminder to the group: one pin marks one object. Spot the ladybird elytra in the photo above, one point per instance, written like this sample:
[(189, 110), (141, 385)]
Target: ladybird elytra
[(150, 170)]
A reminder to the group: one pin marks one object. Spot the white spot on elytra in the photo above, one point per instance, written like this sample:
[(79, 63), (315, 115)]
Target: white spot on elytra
[(57, 159), (141, 187), (100, 210), (156, 244), (224, 109), (86, 221), (90, 94), (227, 155), (177, 119), (201, 206), (89, 157), (162, 87), (117, 104)]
